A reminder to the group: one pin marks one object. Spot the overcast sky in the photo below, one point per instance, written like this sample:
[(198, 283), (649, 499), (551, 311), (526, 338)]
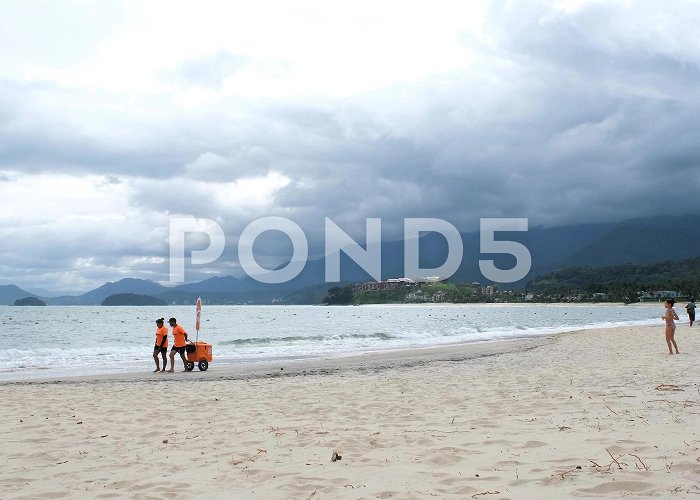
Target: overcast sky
[(115, 116)]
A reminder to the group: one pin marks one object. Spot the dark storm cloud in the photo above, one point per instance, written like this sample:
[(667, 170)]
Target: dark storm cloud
[(46, 128), (549, 146), (542, 141)]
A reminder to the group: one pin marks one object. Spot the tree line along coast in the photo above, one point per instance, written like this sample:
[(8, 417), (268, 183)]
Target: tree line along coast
[(627, 283)]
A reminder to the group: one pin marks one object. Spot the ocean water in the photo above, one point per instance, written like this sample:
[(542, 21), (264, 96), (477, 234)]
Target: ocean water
[(43, 342)]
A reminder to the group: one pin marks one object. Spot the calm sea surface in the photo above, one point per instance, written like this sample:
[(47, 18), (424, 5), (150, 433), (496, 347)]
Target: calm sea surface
[(80, 340)]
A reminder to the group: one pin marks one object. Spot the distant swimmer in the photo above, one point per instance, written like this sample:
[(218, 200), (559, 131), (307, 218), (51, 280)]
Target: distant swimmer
[(180, 341), (690, 309), (668, 317)]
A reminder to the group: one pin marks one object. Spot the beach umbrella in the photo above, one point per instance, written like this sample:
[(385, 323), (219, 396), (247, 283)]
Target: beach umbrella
[(199, 315)]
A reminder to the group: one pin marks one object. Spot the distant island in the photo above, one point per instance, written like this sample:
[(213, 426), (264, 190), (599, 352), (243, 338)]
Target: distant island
[(30, 301), (132, 299)]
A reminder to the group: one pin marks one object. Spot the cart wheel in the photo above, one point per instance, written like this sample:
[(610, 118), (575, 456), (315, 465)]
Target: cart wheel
[(189, 366), (203, 365)]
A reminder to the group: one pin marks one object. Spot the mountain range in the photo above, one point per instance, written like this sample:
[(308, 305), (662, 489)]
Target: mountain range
[(635, 241)]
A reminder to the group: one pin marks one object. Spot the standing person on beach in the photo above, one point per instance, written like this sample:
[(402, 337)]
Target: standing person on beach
[(668, 316), (180, 340), (690, 309), (161, 346)]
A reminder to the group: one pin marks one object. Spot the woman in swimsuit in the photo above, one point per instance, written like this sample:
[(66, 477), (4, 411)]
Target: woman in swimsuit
[(669, 316)]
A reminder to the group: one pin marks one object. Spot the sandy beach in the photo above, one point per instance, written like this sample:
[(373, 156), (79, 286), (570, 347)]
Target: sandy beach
[(597, 413)]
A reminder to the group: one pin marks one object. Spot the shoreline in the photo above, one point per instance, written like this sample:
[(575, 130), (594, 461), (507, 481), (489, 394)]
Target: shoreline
[(429, 304), (301, 365), (373, 361), (77, 346)]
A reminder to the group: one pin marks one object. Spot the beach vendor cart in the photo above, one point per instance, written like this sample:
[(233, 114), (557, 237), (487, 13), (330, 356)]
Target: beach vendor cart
[(198, 351)]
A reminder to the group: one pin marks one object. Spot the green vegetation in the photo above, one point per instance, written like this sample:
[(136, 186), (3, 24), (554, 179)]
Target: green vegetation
[(452, 292), (310, 295), (625, 283), (379, 297), (619, 283), (30, 301), (339, 296), (132, 299)]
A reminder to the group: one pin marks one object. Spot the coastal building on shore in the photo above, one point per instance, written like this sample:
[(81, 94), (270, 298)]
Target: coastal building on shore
[(390, 284), (394, 284), (659, 295)]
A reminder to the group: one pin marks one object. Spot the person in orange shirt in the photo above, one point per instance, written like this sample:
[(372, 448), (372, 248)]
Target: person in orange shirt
[(161, 346), (180, 341)]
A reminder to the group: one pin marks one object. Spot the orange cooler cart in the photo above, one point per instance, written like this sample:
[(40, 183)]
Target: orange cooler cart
[(198, 352)]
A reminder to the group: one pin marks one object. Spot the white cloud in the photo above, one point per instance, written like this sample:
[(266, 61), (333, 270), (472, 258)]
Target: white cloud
[(301, 49), (56, 198)]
